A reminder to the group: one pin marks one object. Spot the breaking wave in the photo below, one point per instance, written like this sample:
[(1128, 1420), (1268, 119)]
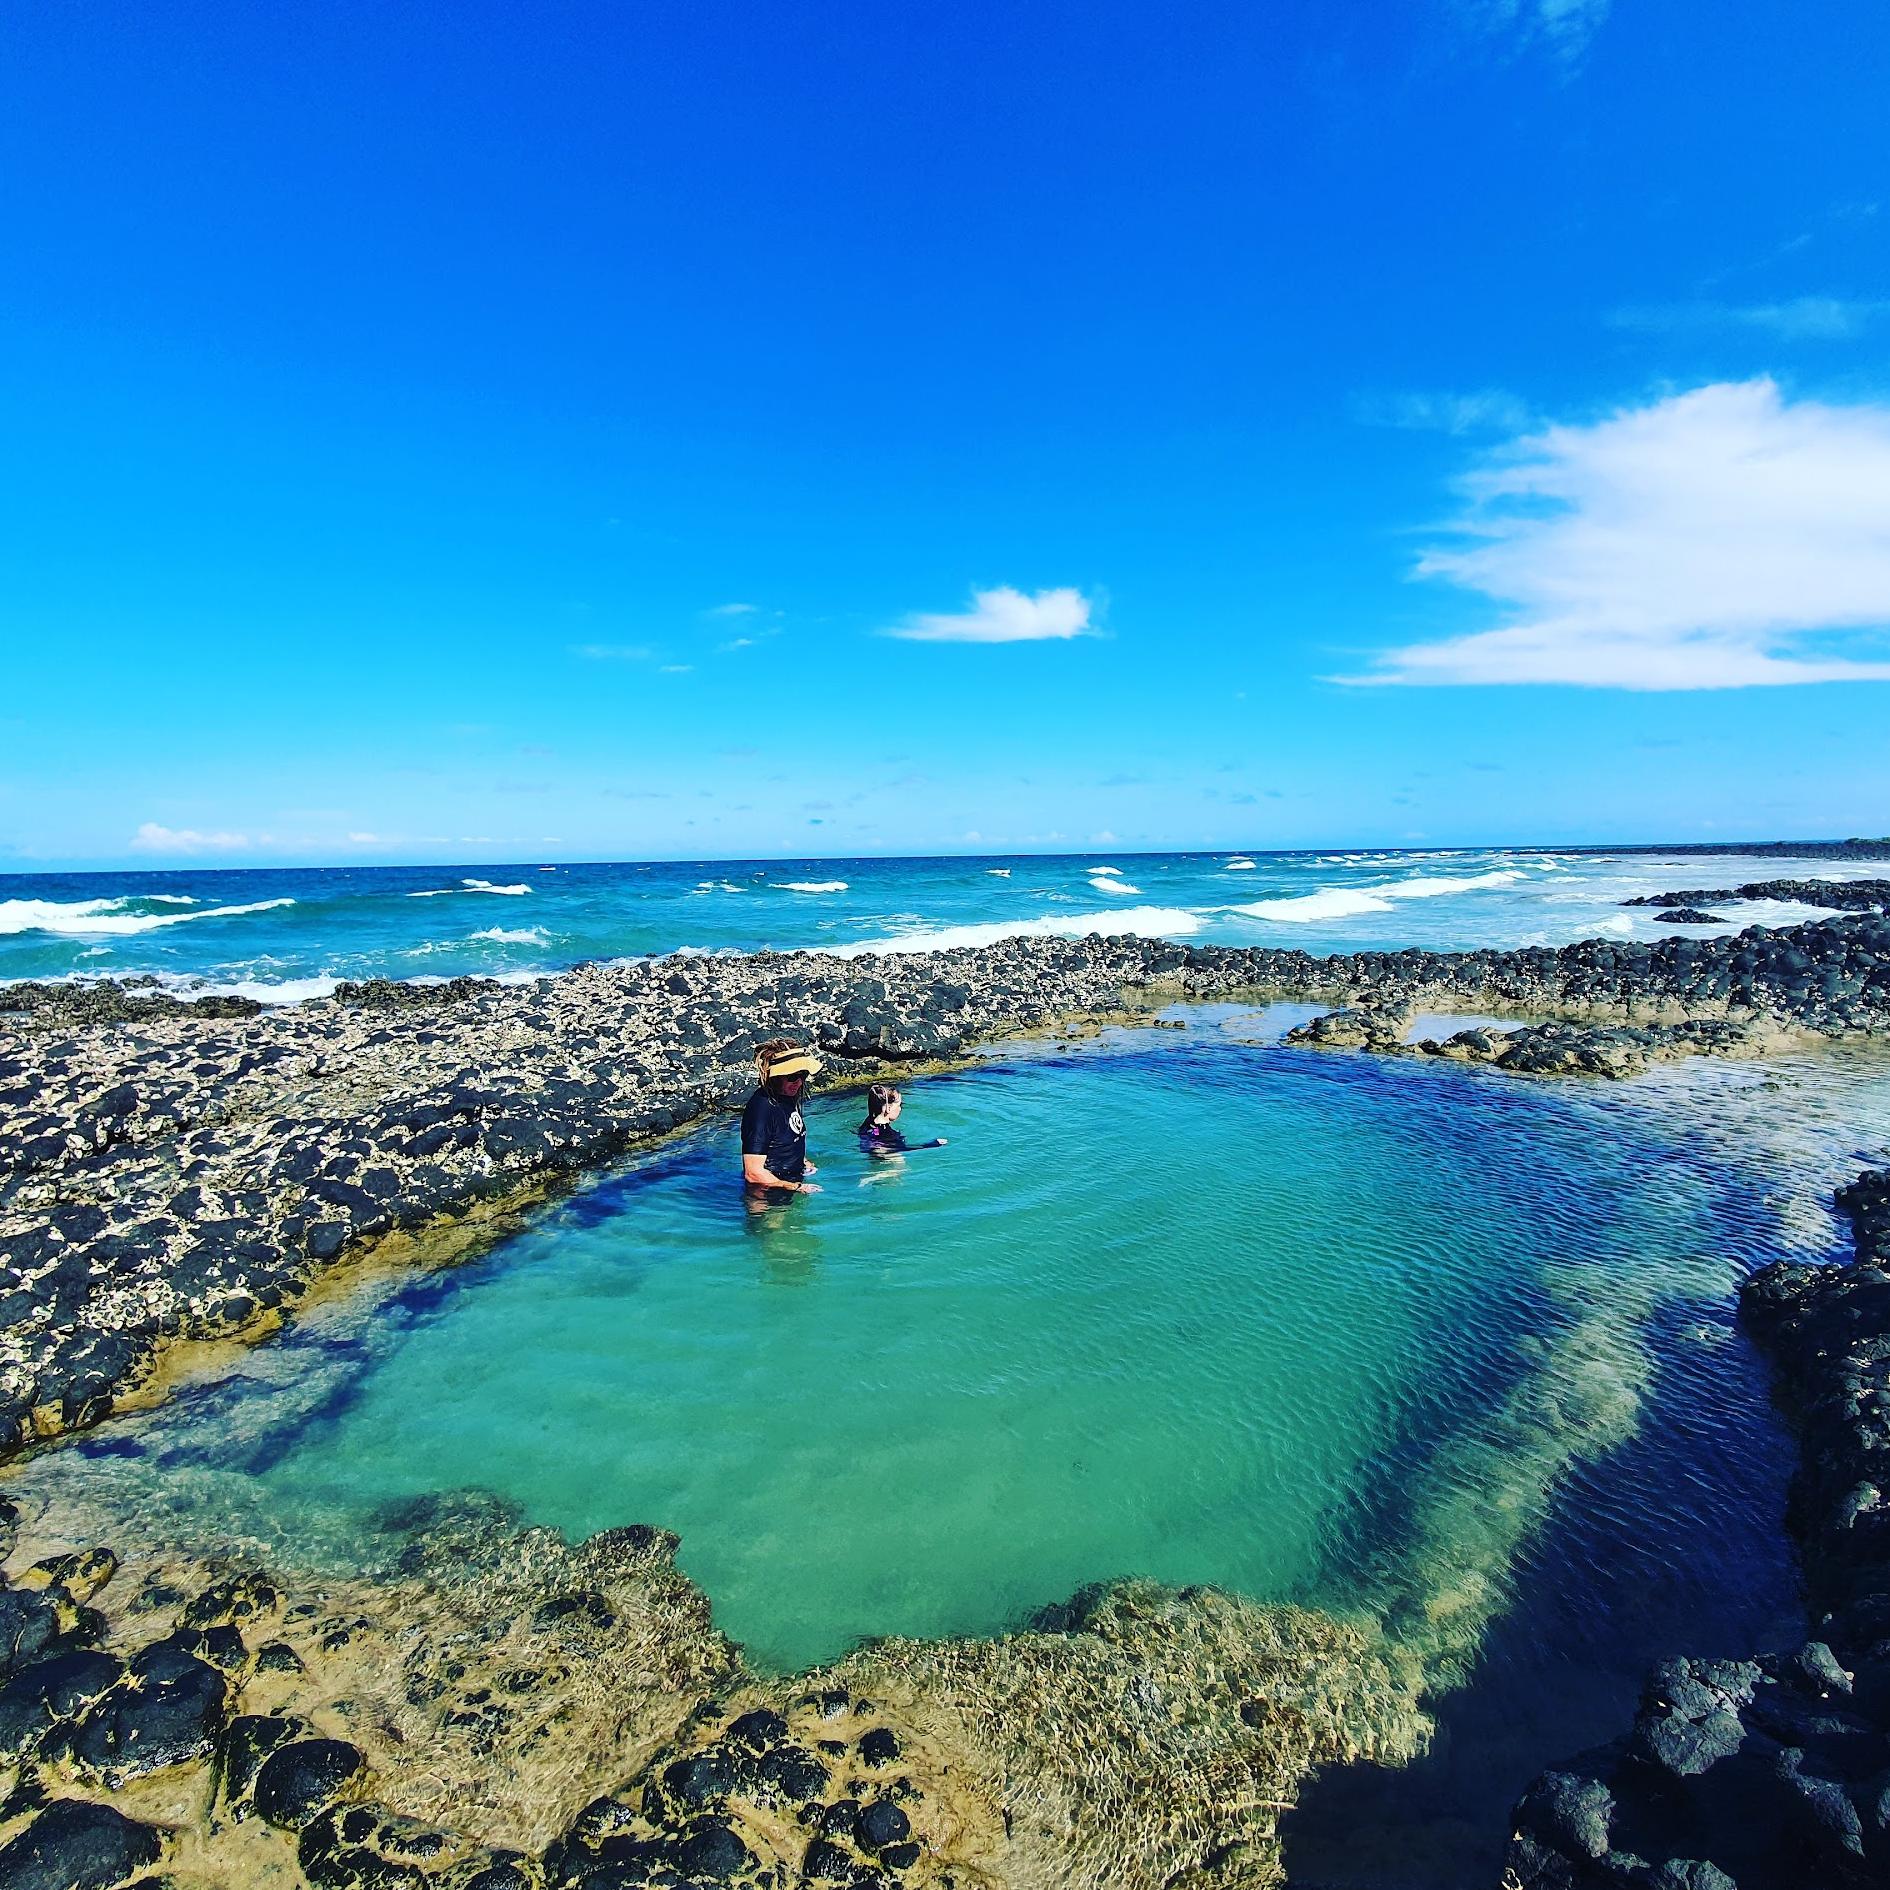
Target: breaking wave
[(106, 918), (470, 885), (1345, 902), (1134, 921)]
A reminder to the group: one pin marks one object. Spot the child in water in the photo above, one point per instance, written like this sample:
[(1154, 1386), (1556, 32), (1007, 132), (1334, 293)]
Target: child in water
[(879, 1133)]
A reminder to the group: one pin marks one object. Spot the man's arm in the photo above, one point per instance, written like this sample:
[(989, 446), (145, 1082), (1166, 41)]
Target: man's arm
[(757, 1174)]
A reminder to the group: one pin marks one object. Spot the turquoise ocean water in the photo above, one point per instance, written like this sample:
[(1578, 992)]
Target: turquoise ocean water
[(283, 934)]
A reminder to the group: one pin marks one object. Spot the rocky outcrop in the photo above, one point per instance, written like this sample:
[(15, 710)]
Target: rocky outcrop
[(1770, 1773), (1691, 915), (1379, 1027), (168, 1172), (1834, 895)]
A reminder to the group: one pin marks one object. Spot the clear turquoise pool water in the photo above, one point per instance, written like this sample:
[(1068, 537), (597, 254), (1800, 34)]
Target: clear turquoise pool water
[(1175, 1305)]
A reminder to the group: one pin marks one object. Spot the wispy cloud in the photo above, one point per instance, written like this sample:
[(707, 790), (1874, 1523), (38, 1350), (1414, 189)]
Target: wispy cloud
[(1805, 318), (1563, 27), (614, 652), (731, 610), (152, 838), (1002, 615), (1711, 540), (1488, 408)]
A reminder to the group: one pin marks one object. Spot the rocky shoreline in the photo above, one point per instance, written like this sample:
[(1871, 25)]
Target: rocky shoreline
[(173, 1173)]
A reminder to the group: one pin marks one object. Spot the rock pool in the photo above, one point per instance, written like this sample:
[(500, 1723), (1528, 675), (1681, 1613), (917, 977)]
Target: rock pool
[(1430, 1346)]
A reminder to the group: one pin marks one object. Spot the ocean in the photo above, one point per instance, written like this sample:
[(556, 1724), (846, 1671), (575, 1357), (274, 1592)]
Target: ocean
[(283, 934)]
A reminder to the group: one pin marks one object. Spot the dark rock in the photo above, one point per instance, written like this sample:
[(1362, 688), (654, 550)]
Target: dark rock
[(758, 1730), (826, 1862), (29, 1628), (50, 1690), (1569, 1812), (167, 1710), (713, 1851), (879, 1747), (247, 1741), (73, 1845), (278, 1657), (882, 1823)]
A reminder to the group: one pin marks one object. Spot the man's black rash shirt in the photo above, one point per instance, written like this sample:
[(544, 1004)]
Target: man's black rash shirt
[(775, 1130)]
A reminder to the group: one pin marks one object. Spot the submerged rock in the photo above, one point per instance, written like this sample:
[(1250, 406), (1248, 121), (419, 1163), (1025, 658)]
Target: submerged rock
[(75, 1845), (1768, 1773)]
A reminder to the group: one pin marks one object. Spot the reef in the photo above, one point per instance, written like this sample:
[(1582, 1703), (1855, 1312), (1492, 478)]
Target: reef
[(1771, 1772), (511, 1713)]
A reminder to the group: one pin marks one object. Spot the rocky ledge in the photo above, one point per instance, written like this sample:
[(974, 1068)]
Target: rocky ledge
[(175, 1172), (1770, 1773), (1834, 895)]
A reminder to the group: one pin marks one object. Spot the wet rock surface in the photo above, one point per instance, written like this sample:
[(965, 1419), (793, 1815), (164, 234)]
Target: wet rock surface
[(1769, 1773), (173, 1171), (519, 1714)]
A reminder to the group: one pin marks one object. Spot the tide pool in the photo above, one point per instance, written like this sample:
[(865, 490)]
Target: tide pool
[(1308, 1327)]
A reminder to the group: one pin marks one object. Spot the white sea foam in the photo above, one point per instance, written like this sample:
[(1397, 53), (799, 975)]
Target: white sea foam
[(169, 899), (1103, 872), (1134, 921), (812, 885), (1120, 887), (1434, 888), (718, 885), (1333, 902), (106, 918), (525, 935), (470, 885), (1345, 902), (283, 991), (1238, 866), (999, 872)]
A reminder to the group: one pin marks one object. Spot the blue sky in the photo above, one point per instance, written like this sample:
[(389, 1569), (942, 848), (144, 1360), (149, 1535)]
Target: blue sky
[(590, 431)]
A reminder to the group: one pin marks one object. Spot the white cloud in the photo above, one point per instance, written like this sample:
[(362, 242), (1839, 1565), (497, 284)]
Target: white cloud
[(675, 669), (1002, 615), (1806, 318), (366, 840), (1711, 540), (1564, 26), (1444, 413), (151, 838), (614, 652), (732, 610)]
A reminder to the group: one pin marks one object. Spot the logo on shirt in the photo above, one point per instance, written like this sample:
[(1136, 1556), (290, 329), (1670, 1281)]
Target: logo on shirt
[(795, 1123)]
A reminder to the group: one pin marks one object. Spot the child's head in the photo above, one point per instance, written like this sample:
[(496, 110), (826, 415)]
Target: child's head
[(883, 1103)]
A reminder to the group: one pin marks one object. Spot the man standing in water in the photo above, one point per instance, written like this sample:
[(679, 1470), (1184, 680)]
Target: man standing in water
[(774, 1136)]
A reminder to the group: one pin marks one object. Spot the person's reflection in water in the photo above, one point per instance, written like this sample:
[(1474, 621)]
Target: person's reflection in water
[(789, 1242)]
